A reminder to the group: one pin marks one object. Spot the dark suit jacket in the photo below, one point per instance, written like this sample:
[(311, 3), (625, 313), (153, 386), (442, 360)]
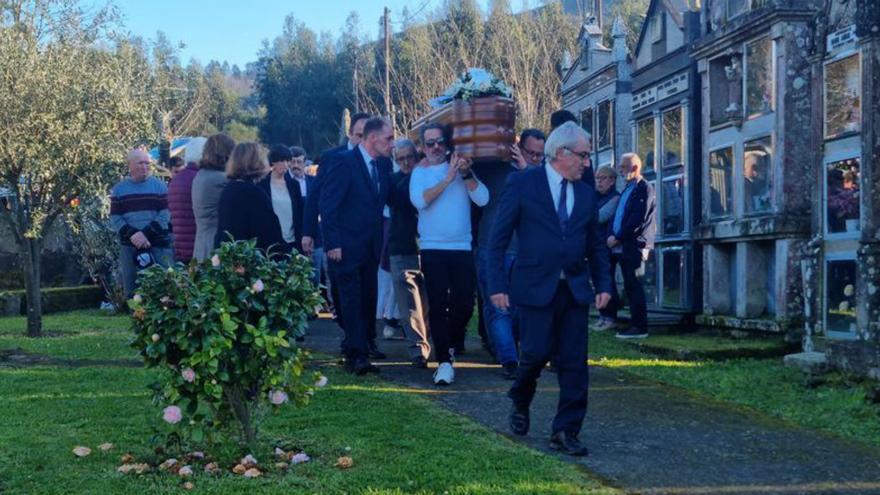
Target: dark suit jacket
[(310, 217), (637, 228), (526, 206), (245, 212), (296, 201), (351, 208)]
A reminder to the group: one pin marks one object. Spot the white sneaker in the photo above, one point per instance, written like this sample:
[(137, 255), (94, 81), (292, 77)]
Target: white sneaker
[(444, 375), (603, 325)]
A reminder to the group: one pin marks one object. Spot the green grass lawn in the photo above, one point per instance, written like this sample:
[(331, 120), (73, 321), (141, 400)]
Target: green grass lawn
[(400, 443), (838, 407), (707, 343)]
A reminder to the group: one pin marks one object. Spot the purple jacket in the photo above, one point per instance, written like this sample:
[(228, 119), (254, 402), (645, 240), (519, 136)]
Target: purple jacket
[(183, 222)]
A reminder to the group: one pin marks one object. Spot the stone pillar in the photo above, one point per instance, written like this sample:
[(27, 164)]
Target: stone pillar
[(716, 274), (689, 182), (751, 280), (790, 301), (868, 257), (794, 140)]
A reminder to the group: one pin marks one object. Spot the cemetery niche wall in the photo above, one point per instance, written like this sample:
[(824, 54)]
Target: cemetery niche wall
[(757, 162), (665, 129)]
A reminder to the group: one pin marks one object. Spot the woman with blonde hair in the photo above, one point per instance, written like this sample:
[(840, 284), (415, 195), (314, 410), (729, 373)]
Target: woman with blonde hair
[(245, 209)]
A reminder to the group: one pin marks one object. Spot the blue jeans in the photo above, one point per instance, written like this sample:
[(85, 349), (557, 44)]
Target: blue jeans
[(163, 257), (499, 323), (320, 271)]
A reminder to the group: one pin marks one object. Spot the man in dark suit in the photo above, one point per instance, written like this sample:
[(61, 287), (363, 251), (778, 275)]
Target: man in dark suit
[(632, 235), (312, 238), (553, 213), (306, 184), (310, 222), (353, 196)]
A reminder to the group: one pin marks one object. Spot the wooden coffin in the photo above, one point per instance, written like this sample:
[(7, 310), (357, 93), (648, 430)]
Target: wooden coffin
[(482, 128)]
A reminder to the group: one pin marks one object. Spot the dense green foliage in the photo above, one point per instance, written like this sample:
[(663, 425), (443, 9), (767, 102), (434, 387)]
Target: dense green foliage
[(223, 334)]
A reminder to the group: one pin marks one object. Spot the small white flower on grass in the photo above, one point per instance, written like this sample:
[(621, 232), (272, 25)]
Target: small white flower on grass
[(81, 451), (299, 458), (322, 382)]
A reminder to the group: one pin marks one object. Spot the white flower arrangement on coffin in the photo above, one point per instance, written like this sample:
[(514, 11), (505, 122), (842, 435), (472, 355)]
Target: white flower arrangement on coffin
[(473, 83)]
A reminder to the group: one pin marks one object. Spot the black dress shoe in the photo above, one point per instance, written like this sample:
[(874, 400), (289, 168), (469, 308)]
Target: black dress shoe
[(419, 363), (567, 444), (519, 420), (508, 371), (361, 367), (375, 353)]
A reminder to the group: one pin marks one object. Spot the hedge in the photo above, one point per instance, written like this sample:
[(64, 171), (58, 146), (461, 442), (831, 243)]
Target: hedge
[(55, 300)]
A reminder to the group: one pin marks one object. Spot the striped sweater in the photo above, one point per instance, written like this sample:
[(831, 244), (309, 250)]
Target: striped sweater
[(141, 207)]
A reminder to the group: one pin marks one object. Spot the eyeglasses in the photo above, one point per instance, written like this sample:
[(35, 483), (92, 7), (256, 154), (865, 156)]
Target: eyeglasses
[(537, 155), (434, 142), (583, 155)]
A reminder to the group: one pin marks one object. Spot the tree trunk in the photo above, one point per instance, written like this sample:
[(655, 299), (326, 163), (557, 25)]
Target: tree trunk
[(30, 253)]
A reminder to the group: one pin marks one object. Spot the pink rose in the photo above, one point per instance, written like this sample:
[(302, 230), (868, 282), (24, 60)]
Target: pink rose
[(189, 375), (322, 382), (258, 286), (278, 397), (172, 414), (215, 260)]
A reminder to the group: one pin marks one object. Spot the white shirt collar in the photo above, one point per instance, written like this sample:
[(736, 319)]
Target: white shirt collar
[(367, 157), (552, 175)]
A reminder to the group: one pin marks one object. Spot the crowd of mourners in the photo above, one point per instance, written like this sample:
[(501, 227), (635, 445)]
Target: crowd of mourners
[(411, 236)]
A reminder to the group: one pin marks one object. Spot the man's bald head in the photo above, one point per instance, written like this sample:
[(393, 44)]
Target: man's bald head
[(138, 164)]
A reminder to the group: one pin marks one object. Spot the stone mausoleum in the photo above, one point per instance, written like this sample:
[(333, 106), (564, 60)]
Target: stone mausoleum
[(763, 116)]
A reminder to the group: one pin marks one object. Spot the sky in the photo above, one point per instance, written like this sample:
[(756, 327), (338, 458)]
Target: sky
[(234, 30)]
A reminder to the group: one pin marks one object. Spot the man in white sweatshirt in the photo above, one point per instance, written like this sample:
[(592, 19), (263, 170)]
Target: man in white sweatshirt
[(442, 191)]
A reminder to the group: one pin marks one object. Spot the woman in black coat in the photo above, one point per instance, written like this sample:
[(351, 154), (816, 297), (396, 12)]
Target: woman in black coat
[(245, 211), (284, 192)]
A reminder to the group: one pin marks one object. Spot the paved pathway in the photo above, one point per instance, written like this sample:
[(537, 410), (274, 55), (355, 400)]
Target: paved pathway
[(650, 438)]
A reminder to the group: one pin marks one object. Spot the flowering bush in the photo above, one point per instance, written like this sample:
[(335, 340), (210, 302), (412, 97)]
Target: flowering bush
[(474, 83), (223, 331)]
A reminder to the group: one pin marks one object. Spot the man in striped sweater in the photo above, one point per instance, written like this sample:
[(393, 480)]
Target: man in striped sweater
[(139, 214)]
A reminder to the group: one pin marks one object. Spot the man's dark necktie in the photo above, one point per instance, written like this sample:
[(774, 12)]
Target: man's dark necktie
[(562, 209), (374, 174)]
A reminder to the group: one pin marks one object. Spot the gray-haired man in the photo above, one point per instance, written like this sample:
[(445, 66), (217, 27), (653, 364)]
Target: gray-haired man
[(403, 253)]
